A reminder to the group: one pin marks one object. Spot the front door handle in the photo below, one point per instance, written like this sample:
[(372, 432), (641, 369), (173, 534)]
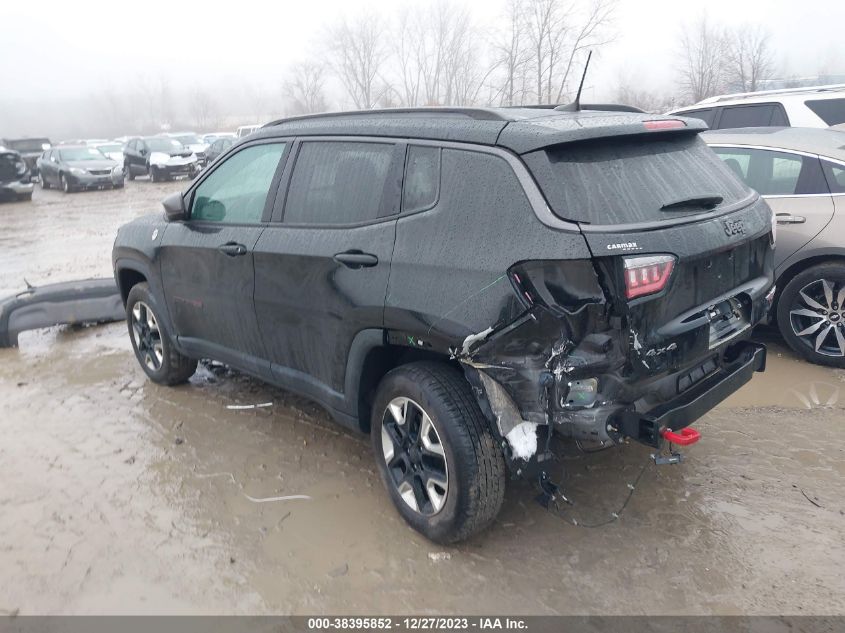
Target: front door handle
[(232, 249), (787, 218), (356, 259)]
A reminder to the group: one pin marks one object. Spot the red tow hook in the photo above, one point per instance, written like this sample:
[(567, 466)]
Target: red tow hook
[(684, 437)]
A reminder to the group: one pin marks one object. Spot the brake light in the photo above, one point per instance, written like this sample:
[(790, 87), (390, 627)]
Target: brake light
[(664, 124), (647, 275)]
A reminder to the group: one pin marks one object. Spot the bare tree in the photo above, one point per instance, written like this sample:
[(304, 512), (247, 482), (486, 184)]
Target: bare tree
[(702, 53), (358, 57), (557, 33), (304, 88), (202, 108), (512, 54), (628, 93), (748, 57)]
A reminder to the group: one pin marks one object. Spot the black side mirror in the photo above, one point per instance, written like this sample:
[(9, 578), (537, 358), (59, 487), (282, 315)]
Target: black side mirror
[(143, 151), (174, 207)]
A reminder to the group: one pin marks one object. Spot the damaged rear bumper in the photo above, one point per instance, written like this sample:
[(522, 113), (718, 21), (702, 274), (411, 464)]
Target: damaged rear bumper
[(676, 414), (73, 302)]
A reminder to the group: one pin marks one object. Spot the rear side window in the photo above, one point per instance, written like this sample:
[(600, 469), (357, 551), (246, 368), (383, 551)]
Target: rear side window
[(708, 115), (762, 115), (422, 178), (629, 180), (236, 191), (835, 177), (337, 182), (774, 173), (831, 111)]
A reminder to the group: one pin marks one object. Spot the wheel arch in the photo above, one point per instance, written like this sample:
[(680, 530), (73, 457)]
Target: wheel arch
[(370, 359), (798, 267)]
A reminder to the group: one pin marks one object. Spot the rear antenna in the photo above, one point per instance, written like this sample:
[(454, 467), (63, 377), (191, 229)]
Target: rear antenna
[(575, 106)]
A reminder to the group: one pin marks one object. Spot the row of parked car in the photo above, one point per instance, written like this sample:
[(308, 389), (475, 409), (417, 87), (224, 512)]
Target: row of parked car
[(101, 163)]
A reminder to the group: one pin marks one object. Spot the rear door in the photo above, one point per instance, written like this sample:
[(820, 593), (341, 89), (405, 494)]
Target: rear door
[(207, 266), (322, 266), (794, 186)]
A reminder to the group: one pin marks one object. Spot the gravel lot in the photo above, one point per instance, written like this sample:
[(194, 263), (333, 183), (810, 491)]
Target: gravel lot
[(120, 496)]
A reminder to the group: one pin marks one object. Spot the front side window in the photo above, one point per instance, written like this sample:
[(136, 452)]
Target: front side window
[(338, 182), (236, 191), (774, 173), (422, 178), (831, 111)]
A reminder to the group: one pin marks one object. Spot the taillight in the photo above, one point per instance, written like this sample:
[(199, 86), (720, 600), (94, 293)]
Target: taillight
[(647, 275), (664, 124)]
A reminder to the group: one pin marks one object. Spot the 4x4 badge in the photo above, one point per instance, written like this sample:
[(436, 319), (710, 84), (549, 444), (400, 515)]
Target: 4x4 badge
[(734, 227)]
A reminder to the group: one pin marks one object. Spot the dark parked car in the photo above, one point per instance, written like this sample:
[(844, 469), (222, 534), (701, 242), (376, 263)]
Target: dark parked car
[(217, 147), (15, 179), (159, 157), (29, 148), (462, 284), (71, 168)]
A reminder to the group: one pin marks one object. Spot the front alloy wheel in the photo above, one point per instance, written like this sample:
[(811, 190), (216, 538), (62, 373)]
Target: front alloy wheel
[(817, 317), (414, 456), (147, 336)]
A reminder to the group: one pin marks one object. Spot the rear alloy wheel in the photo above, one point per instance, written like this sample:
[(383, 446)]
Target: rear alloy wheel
[(151, 342), (811, 314), (414, 456), (435, 451)]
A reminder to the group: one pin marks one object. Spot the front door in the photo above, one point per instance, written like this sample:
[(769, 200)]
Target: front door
[(207, 263)]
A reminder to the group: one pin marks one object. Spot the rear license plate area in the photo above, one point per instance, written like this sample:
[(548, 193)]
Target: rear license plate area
[(728, 319)]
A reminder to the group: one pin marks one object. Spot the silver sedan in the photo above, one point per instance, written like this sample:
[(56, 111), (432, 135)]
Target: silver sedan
[(801, 174)]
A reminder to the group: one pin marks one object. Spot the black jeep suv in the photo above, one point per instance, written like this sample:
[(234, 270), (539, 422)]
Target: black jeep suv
[(462, 284)]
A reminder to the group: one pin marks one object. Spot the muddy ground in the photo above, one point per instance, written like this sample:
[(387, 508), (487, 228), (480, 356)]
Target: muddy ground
[(120, 496)]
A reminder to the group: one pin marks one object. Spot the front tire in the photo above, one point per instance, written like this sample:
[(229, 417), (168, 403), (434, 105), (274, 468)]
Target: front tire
[(811, 314), (43, 182), (154, 177), (128, 169), (151, 341), (435, 452), (64, 182)]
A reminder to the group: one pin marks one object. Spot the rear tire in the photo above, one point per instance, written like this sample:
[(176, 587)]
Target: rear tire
[(151, 341), (435, 452), (811, 315)]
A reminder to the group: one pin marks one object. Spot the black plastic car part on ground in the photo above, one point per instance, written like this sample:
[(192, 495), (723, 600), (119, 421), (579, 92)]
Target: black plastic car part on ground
[(69, 303), (591, 274)]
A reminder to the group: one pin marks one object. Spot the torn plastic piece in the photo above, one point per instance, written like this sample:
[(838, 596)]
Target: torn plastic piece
[(244, 407), (472, 339), (69, 303), (285, 498), (523, 440)]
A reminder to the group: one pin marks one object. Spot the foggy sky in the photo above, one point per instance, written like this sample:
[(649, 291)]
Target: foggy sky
[(54, 52)]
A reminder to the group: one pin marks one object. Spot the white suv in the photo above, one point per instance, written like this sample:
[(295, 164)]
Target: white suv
[(819, 106)]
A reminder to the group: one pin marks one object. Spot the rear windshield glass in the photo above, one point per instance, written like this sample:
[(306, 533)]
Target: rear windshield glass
[(831, 111), (625, 181)]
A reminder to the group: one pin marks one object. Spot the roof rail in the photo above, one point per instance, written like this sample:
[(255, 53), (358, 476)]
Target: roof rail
[(481, 114), (763, 93)]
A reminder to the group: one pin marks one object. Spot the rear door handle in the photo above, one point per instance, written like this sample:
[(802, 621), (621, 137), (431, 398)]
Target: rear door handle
[(356, 259), (232, 249), (786, 218)]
